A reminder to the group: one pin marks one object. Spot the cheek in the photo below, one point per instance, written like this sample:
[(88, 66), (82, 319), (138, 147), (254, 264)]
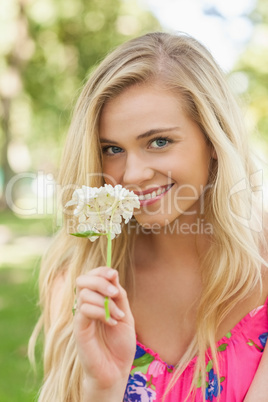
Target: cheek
[(111, 174), (192, 173)]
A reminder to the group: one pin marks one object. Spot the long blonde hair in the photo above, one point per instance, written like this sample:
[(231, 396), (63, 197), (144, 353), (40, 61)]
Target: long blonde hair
[(233, 263)]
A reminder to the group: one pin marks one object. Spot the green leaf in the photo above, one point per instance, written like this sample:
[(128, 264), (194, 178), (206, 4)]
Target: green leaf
[(142, 369), (145, 359), (153, 386), (149, 383), (222, 379), (134, 370), (88, 233), (222, 347), (252, 343), (209, 366), (228, 335), (199, 382)]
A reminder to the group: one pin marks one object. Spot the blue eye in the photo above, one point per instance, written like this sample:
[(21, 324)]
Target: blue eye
[(159, 143), (111, 150)]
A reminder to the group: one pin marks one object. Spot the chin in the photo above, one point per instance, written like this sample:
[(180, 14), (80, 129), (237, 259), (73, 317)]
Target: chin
[(154, 225)]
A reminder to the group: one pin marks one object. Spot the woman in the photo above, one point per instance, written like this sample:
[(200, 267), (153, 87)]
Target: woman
[(158, 118)]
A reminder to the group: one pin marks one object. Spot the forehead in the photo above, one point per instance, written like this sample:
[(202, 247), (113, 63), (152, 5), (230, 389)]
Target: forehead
[(142, 92), (142, 107)]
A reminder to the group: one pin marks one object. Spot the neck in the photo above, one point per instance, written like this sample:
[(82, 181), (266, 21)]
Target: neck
[(179, 244)]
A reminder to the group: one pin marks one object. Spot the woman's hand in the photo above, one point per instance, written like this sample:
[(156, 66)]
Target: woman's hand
[(106, 349)]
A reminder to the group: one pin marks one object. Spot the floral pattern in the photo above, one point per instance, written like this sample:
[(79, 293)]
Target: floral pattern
[(150, 375), (263, 339), (137, 389), (213, 387)]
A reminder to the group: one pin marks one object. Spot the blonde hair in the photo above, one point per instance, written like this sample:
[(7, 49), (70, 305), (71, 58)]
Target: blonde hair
[(232, 267)]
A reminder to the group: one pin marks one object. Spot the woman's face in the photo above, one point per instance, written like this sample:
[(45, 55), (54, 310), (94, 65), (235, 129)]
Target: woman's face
[(152, 147)]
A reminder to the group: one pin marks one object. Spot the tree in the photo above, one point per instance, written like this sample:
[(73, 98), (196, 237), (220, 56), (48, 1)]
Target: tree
[(254, 63), (52, 46)]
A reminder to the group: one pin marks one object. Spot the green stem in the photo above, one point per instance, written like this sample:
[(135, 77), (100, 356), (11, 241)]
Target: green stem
[(108, 264), (109, 250)]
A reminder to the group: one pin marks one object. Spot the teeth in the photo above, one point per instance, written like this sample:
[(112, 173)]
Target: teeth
[(168, 187), (154, 194)]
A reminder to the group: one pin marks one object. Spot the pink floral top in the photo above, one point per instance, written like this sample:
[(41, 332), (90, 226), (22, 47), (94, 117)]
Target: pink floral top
[(240, 352)]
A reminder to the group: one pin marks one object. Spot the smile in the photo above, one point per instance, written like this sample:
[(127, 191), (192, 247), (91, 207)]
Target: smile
[(154, 195)]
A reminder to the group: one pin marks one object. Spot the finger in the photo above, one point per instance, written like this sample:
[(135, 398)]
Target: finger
[(96, 284), (93, 313), (96, 299), (121, 300), (92, 280), (105, 272)]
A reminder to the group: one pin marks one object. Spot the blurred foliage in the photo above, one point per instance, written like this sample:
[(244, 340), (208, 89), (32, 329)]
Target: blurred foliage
[(22, 243), (254, 65), (26, 226), (47, 49), (18, 315)]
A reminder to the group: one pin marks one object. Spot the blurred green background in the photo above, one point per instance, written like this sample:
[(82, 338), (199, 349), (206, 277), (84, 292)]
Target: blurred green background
[(47, 49)]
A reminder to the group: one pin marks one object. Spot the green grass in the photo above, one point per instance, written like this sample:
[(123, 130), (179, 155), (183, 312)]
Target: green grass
[(18, 307), (18, 315)]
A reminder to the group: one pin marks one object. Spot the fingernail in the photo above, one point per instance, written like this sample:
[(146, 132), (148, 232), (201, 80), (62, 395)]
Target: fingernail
[(112, 290), (112, 321), (110, 273), (120, 313)]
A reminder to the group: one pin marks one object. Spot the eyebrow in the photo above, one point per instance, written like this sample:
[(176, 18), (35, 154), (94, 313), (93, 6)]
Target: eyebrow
[(147, 134)]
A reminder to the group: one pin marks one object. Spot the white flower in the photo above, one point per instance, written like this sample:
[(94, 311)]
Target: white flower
[(100, 210)]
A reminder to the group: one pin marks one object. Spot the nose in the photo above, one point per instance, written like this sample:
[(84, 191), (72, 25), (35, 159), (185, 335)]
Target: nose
[(137, 170)]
